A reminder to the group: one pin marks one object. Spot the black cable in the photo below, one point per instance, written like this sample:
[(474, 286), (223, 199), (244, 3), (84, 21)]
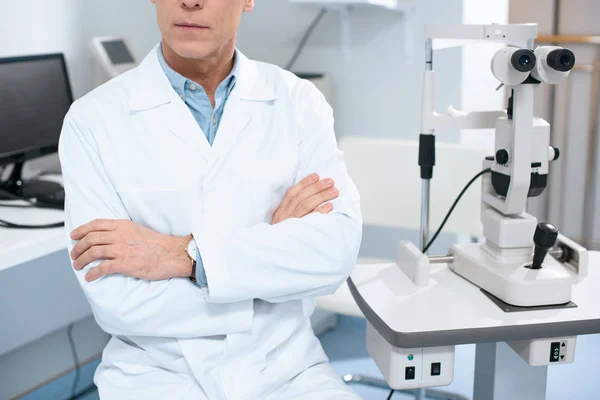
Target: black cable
[(485, 171), (75, 358), (85, 391), (10, 225), (305, 38), (391, 394)]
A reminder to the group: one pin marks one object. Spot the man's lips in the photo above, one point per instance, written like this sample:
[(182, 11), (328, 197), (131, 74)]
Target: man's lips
[(186, 25)]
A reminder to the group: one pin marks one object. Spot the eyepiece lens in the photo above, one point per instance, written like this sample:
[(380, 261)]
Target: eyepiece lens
[(561, 60), (525, 60)]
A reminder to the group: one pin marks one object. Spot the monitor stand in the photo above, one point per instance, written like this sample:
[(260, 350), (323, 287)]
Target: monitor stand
[(15, 186)]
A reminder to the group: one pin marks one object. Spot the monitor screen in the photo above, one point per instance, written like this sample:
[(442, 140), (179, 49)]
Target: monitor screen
[(35, 96), (118, 52)]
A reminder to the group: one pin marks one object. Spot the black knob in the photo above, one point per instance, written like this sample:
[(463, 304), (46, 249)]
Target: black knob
[(556, 153), (502, 157), (544, 239)]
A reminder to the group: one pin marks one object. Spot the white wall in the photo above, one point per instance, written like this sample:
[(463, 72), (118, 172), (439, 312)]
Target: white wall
[(376, 93), (134, 20), (39, 26)]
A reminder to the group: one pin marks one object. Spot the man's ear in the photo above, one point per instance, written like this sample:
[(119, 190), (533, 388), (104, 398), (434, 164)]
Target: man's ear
[(248, 5)]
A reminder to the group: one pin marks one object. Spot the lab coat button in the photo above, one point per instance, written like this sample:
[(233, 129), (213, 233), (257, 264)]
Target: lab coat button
[(192, 87)]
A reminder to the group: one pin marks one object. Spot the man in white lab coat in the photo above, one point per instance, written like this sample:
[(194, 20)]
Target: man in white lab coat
[(200, 227)]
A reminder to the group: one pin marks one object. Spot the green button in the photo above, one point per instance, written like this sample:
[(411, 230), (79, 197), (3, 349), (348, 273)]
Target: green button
[(411, 357)]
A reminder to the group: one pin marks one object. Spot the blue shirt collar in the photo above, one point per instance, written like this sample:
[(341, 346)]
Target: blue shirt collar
[(179, 81)]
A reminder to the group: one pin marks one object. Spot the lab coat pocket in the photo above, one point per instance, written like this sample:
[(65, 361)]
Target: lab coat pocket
[(267, 186), (247, 197)]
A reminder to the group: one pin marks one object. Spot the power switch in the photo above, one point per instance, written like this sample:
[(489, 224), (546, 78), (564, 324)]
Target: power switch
[(409, 373), (554, 351), (436, 369)]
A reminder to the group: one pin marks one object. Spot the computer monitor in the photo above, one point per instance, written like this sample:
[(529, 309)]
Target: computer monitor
[(35, 95)]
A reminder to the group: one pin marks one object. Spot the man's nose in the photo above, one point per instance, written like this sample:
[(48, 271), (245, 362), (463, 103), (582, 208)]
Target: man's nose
[(192, 4)]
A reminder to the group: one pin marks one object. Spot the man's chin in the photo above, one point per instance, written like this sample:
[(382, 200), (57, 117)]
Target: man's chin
[(196, 50)]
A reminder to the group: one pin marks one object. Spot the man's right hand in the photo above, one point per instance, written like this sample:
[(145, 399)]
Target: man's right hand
[(306, 197)]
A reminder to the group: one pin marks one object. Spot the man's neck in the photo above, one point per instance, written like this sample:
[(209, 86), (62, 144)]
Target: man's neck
[(209, 73)]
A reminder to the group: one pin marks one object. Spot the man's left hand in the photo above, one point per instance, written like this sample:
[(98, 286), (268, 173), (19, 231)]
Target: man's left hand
[(129, 249)]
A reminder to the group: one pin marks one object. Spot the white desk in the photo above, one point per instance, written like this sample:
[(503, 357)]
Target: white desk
[(38, 290), (452, 311), (18, 246)]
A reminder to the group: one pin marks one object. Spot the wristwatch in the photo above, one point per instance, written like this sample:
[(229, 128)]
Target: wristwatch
[(192, 253)]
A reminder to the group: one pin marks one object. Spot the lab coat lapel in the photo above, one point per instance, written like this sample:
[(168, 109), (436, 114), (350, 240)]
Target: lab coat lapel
[(251, 93), (154, 97)]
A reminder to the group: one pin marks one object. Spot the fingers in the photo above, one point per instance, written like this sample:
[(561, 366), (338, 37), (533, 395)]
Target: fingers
[(304, 198), (92, 239), (93, 254), (312, 190), (310, 204), (94, 226), (304, 183), (325, 209), (105, 268)]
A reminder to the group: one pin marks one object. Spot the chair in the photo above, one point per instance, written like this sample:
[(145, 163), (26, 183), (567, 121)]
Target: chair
[(386, 173)]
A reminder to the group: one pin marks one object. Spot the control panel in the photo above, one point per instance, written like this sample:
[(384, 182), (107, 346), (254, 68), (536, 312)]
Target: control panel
[(411, 368), (541, 352)]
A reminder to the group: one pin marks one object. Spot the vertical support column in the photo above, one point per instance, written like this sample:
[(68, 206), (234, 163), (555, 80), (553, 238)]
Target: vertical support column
[(425, 207), (501, 374), (426, 144), (426, 159)]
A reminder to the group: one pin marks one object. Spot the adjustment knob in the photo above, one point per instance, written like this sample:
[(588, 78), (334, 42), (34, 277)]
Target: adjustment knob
[(502, 157), (553, 153), (544, 239)]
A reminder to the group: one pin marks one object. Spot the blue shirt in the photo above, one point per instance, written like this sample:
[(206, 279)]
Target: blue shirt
[(197, 100), (208, 118)]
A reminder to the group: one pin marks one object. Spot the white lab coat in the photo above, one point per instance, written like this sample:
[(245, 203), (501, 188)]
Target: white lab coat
[(131, 149)]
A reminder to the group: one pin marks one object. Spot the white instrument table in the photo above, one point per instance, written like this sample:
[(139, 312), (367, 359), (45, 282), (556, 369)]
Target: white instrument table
[(38, 289), (18, 246), (452, 311)]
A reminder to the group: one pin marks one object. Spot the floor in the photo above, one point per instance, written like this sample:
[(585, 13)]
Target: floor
[(345, 347)]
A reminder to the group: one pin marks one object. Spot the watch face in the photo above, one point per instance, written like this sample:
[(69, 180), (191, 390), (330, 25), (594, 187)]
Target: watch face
[(191, 249)]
